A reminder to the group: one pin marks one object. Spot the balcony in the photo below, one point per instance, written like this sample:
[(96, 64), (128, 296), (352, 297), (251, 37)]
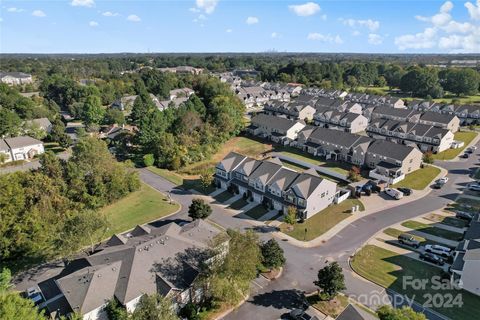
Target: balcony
[(387, 172)]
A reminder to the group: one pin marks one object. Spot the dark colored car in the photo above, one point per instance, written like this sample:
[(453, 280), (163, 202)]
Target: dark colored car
[(374, 186), (405, 191), (299, 314), (433, 258), (464, 215), (438, 185), (465, 156)]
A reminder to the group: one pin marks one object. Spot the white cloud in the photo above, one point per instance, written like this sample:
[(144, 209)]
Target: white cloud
[(421, 40), (93, 24), (306, 9), (228, 30), (473, 10), (208, 6), (252, 20), (372, 25), (444, 32), (110, 14), (193, 9), (38, 13), (83, 3), (375, 39), (315, 36), (16, 10), (356, 33), (323, 17), (275, 35), (134, 18)]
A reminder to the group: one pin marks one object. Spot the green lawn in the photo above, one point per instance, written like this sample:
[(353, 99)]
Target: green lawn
[(331, 308), (474, 204), (139, 207), (432, 230), (322, 221), (391, 269), (419, 179), (171, 176), (53, 146), (239, 204), (185, 182), (449, 221), (465, 136), (256, 212)]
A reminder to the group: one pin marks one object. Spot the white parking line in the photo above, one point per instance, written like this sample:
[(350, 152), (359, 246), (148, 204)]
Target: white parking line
[(353, 225), (338, 236), (257, 284)]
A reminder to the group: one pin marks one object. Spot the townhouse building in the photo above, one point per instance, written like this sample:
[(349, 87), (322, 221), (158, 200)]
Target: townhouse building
[(441, 120), (277, 129), (426, 137), (466, 259), (334, 145), (343, 121), (275, 186), (397, 114), (292, 110), (390, 162)]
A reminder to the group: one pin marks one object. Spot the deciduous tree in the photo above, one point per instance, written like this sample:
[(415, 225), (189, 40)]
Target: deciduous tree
[(330, 280)]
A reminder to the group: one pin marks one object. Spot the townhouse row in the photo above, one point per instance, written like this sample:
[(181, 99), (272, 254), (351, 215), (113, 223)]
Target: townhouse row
[(270, 183), (389, 161)]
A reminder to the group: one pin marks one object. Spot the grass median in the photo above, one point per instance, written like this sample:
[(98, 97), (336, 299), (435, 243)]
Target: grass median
[(432, 230), (389, 269), (419, 179)]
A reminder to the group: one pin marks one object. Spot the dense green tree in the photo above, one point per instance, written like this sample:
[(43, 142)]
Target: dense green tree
[(199, 209), (59, 135), (154, 307), (115, 311), (405, 313), (9, 123), (148, 160), (12, 305), (272, 254), (114, 116), (330, 280), (93, 112), (229, 281), (421, 82), (463, 81)]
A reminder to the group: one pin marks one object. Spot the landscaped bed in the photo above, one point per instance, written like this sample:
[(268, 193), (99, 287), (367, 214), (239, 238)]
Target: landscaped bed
[(256, 212), (419, 179), (331, 308), (322, 221), (465, 136), (389, 269), (432, 230), (139, 207)]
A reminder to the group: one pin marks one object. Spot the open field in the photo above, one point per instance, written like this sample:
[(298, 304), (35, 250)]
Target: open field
[(242, 145), (419, 179), (391, 269), (139, 207), (465, 136), (322, 221)]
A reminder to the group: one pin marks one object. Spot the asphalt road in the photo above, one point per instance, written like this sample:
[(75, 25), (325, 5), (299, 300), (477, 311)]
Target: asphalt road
[(277, 298)]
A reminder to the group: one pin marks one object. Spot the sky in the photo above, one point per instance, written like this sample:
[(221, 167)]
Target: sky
[(109, 26)]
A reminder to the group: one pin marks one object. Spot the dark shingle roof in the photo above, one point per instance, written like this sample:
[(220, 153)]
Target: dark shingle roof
[(390, 149), (273, 122)]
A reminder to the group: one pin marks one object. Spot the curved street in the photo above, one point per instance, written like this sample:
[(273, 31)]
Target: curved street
[(278, 297)]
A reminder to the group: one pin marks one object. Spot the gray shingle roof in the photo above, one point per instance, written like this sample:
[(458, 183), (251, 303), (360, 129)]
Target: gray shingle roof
[(437, 117), (389, 149), (231, 161), (273, 122), (20, 142), (345, 139)]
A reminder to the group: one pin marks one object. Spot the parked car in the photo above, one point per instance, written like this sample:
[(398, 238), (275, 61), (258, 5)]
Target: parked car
[(35, 295), (394, 193), (442, 180), (438, 250), (367, 188), (469, 150), (464, 215), (474, 186), (465, 156), (409, 240), (374, 186), (406, 191), (433, 258), (438, 185), (299, 314), (473, 148)]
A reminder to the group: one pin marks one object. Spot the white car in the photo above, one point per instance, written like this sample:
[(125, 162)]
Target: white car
[(394, 193), (473, 148), (442, 180), (438, 249)]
